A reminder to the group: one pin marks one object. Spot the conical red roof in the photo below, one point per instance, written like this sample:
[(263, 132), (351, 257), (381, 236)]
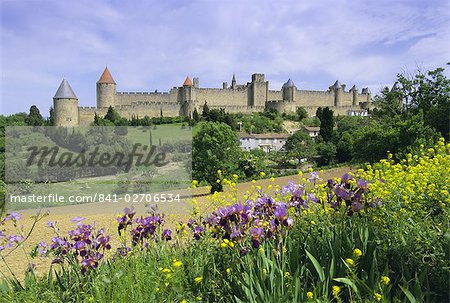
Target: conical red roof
[(187, 82), (106, 77)]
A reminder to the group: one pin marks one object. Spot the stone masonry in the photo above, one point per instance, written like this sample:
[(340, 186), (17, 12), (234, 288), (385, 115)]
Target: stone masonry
[(253, 96)]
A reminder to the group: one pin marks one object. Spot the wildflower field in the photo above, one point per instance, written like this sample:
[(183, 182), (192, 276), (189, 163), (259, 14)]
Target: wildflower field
[(380, 234)]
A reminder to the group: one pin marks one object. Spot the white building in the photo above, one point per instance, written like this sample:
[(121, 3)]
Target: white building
[(360, 113), (266, 142), (312, 131)]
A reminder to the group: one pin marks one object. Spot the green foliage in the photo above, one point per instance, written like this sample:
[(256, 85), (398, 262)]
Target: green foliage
[(300, 146), (326, 153), (426, 94), (205, 111), (196, 116), (301, 113), (326, 123), (215, 147), (34, 118), (373, 141), (51, 119)]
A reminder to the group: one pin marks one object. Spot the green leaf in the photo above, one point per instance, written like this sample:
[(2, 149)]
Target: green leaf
[(408, 294), (317, 266), (347, 282)]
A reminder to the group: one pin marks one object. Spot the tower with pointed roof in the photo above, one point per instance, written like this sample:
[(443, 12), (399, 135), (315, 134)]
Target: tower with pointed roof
[(233, 82), (354, 91), (188, 97), (338, 92), (289, 90), (106, 90), (65, 104)]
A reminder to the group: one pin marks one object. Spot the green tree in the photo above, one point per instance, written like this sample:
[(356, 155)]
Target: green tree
[(300, 146), (326, 153), (426, 94), (301, 113), (51, 119), (205, 112), (195, 115), (34, 118), (215, 147), (326, 123)]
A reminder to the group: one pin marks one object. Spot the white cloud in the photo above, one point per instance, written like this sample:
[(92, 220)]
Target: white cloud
[(153, 44)]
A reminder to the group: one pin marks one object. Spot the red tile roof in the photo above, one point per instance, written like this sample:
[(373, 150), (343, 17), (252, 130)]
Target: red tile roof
[(106, 77), (187, 82)]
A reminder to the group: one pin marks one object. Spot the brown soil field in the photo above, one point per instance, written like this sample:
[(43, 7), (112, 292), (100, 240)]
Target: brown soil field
[(104, 214)]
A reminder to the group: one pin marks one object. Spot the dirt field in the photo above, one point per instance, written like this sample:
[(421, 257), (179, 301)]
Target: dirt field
[(103, 214)]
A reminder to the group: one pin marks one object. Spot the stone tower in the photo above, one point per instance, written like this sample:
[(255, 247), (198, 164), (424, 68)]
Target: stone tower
[(338, 92), (258, 90), (106, 90), (354, 91), (233, 82), (187, 97), (288, 90), (65, 104)]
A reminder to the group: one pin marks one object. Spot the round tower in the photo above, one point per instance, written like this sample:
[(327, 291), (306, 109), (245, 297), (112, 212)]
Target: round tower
[(338, 92), (289, 90), (106, 90), (354, 91), (65, 104), (187, 97)]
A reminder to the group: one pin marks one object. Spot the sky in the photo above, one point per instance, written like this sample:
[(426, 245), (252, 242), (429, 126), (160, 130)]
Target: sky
[(153, 45)]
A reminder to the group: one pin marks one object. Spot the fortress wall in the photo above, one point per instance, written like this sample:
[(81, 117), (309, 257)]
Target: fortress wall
[(282, 106), (222, 97), (86, 114), (306, 98), (239, 108), (151, 109), (347, 98), (362, 98), (127, 98), (273, 95)]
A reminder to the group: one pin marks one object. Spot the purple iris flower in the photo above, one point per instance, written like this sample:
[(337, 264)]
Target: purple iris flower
[(13, 216), (280, 211), (167, 234)]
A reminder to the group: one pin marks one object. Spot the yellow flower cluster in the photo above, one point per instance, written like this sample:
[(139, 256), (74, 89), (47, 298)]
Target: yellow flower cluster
[(424, 176)]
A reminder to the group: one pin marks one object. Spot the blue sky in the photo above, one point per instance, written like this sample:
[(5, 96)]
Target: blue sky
[(150, 45)]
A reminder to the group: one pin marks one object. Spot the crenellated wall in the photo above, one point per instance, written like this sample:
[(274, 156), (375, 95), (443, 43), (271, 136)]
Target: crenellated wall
[(251, 97), (222, 97)]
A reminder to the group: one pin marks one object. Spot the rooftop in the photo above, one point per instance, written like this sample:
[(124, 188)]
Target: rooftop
[(264, 136), (106, 77), (187, 82), (65, 91)]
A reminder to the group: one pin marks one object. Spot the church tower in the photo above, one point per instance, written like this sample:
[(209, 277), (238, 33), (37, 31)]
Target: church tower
[(106, 90), (65, 104)]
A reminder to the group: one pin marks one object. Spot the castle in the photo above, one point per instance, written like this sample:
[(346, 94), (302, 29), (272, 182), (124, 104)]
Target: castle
[(253, 96)]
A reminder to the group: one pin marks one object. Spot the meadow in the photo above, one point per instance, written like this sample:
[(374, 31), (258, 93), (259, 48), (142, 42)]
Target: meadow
[(378, 234)]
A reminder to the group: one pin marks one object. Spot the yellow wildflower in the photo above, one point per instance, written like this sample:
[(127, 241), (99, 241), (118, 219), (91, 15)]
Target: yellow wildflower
[(309, 295), (385, 280), (377, 296), (336, 290), (262, 174), (228, 270), (357, 252), (166, 270), (177, 263), (198, 279), (349, 262)]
